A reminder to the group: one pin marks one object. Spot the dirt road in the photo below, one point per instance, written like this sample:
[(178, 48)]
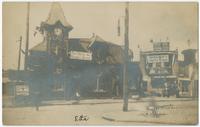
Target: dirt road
[(91, 113)]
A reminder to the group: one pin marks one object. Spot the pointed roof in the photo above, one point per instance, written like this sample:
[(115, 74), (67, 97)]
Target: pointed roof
[(96, 38), (56, 15), (99, 39), (85, 42)]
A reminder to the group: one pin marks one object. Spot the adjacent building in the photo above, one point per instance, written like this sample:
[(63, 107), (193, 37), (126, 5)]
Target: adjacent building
[(159, 66), (188, 73)]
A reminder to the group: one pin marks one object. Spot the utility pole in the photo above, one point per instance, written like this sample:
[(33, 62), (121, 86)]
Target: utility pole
[(19, 57), (126, 48), (27, 36)]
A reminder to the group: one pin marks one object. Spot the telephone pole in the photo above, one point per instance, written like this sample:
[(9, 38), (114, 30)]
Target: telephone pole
[(126, 48), (19, 57), (27, 36)]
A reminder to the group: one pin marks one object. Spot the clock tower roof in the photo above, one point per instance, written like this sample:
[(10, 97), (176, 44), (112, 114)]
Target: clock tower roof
[(56, 17)]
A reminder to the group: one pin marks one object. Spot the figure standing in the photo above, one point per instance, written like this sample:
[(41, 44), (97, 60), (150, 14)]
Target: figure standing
[(37, 100)]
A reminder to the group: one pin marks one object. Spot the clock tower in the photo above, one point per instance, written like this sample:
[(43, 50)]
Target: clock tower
[(56, 30)]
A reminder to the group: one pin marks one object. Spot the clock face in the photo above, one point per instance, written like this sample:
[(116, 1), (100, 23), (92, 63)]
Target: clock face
[(57, 31)]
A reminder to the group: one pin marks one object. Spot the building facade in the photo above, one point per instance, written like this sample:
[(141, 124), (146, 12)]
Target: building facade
[(159, 66)]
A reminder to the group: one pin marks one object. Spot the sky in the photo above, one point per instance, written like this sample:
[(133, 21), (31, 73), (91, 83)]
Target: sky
[(175, 22)]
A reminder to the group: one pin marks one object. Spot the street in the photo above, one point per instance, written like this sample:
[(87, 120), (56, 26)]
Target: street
[(94, 112)]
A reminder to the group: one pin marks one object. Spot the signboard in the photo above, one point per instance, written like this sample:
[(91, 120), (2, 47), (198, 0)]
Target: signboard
[(161, 46), (22, 90), (157, 58), (80, 55), (168, 76)]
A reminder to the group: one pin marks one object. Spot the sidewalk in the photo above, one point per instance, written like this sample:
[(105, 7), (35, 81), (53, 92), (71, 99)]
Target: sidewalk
[(8, 102), (110, 101), (169, 113), (140, 117)]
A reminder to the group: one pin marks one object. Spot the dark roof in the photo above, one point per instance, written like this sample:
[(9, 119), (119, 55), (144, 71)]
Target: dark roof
[(110, 52), (113, 53), (98, 38), (79, 44), (99, 41), (130, 52), (117, 54), (189, 51), (56, 15), (85, 42)]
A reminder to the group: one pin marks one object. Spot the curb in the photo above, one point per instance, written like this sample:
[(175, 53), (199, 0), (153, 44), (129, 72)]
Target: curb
[(142, 121)]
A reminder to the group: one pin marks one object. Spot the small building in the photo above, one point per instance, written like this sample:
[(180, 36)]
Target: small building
[(188, 73)]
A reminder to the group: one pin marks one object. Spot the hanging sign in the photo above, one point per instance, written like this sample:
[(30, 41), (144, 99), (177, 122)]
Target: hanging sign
[(22, 90), (157, 58), (80, 55)]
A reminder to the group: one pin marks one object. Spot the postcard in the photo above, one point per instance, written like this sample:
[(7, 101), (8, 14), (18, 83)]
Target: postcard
[(100, 63)]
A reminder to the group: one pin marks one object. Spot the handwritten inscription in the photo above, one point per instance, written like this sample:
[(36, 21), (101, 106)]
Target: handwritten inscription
[(81, 118)]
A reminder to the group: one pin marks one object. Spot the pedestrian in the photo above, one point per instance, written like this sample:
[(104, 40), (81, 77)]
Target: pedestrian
[(117, 85), (76, 82), (37, 100), (113, 86)]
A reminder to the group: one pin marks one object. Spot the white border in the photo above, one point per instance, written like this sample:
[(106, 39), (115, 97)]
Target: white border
[(79, 1)]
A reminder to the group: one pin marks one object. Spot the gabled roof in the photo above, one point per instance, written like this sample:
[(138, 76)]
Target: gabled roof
[(98, 40), (79, 44), (76, 44), (56, 15), (111, 52), (85, 42)]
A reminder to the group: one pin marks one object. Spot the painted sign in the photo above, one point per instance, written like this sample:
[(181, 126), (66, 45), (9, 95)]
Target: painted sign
[(80, 55), (157, 58), (161, 46), (22, 90)]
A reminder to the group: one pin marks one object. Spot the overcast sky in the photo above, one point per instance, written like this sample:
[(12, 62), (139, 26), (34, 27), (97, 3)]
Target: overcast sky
[(158, 21)]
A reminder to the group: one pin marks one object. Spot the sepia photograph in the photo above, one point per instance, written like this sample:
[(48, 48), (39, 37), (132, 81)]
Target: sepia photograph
[(100, 63)]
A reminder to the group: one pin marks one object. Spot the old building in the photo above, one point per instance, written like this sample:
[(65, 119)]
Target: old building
[(158, 66), (188, 73), (61, 67)]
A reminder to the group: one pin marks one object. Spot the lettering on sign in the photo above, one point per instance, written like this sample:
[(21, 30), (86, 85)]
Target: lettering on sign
[(22, 90), (80, 55), (157, 58), (161, 46)]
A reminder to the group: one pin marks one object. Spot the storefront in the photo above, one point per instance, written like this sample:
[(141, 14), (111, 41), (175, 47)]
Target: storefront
[(159, 65)]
